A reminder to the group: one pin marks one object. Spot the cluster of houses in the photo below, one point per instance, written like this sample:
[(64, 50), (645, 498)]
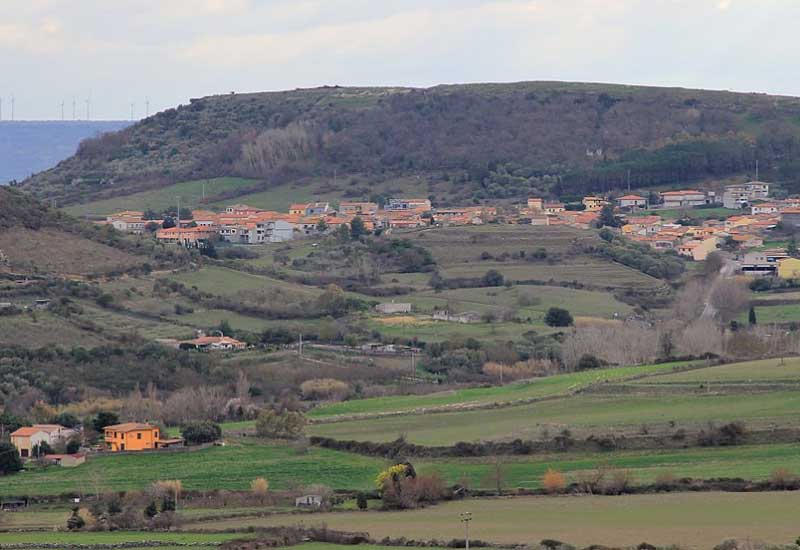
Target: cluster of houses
[(243, 224), (32, 442)]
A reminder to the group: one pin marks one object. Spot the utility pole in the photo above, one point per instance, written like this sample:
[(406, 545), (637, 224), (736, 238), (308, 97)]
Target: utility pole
[(179, 212), (74, 111), (413, 366), (466, 517), (204, 190), (757, 170), (146, 107), (629, 180), (133, 105), (62, 110), (300, 346)]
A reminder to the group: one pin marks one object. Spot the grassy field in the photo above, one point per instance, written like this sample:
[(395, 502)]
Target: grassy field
[(694, 520), (191, 193), (541, 387), (529, 301), (765, 370), (458, 253), (117, 537), (583, 414), (230, 467), (39, 329), (783, 313), (233, 468), (55, 251), (227, 282)]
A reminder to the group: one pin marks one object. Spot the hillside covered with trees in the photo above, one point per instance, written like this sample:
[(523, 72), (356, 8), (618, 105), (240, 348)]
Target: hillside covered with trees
[(486, 141)]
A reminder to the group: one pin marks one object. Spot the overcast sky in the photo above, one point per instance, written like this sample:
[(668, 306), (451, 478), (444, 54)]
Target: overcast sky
[(122, 51)]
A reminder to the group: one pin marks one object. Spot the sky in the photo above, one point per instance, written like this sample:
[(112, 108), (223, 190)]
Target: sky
[(111, 54)]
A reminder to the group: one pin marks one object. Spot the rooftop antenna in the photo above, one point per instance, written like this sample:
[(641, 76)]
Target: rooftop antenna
[(62, 110), (74, 112), (89, 107), (133, 105), (757, 170)]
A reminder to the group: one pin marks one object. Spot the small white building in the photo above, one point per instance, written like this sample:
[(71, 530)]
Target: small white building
[(308, 501), (387, 308), (632, 201)]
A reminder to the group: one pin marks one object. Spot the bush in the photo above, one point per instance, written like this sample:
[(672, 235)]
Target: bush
[(324, 388), (197, 433), (553, 481), (75, 521), (588, 361), (361, 501), (103, 419), (558, 317), (782, 478), (281, 425), (10, 461), (493, 278)]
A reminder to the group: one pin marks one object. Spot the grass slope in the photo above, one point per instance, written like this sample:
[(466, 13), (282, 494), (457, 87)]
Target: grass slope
[(190, 192), (694, 520), (541, 387)]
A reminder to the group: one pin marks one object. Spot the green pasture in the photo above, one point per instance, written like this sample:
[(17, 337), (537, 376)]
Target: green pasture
[(528, 301), (687, 520), (586, 271), (117, 537), (599, 414), (227, 282), (764, 370), (231, 467), (560, 384), (190, 192)]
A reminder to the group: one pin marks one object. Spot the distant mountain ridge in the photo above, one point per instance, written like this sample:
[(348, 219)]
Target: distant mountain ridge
[(471, 142), (28, 147)]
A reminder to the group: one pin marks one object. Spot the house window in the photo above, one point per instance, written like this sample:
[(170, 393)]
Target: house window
[(138, 435), (155, 434)]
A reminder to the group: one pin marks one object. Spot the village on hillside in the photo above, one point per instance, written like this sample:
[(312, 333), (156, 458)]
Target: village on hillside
[(666, 224)]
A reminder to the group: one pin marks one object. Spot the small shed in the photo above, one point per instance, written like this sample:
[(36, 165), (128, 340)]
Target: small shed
[(66, 460), (308, 501)]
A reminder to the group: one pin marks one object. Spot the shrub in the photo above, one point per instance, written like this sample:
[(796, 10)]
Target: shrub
[(281, 425), (588, 361), (618, 482), (103, 419), (665, 480), (259, 487), (197, 433), (10, 462), (782, 478), (558, 317), (361, 501), (492, 278), (75, 521), (553, 481), (324, 388)]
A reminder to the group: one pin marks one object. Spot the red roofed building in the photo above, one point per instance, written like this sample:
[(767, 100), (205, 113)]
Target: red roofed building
[(189, 237)]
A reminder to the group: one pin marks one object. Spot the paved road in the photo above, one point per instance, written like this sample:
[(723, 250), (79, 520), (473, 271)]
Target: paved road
[(727, 270)]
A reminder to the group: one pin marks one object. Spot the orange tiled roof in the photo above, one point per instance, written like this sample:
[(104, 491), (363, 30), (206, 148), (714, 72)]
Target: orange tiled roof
[(130, 427)]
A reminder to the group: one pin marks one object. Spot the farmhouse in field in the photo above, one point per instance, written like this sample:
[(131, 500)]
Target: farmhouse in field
[(136, 436)]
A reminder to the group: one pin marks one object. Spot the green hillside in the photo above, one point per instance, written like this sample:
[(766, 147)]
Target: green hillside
[(460, 142)]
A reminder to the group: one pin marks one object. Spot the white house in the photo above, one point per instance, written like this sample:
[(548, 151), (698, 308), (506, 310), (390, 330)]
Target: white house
[(632, 201)]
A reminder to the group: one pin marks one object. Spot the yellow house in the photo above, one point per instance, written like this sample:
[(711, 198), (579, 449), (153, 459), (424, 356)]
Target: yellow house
[(789, 268), (298, 209), (594, 203)]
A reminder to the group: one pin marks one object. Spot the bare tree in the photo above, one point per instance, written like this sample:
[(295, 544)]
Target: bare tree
[(690, 301), (729, 297)]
